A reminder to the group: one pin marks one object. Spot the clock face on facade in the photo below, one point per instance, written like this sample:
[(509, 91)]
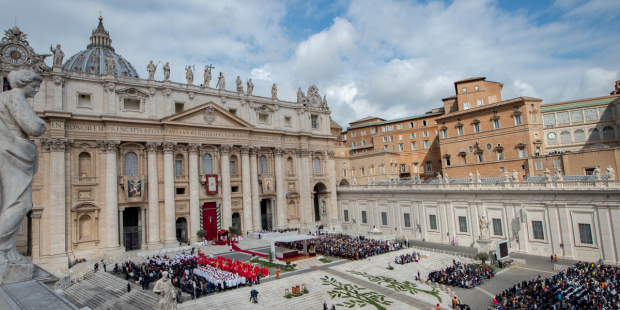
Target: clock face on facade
[(14, 54), (314, 101), (551, 135)]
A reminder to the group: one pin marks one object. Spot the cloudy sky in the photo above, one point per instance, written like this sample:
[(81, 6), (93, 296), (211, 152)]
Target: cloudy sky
[(384, 58)]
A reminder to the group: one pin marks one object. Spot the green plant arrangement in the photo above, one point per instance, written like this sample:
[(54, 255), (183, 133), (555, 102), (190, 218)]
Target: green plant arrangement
[(391, 268), (483, 257), (305, 290), (234, 230), (325, 260), (352, 292), (397, 286), (201, 234)]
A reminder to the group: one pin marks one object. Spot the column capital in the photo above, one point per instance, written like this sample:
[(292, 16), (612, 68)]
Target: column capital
[(108, 146), (168, 147), (225, 149), (303, 152), (143, 208), (278, 151), (56, 144), (331, 154), (254, 150), (245, 149), (121, 209), (151, 147), (193, 148)]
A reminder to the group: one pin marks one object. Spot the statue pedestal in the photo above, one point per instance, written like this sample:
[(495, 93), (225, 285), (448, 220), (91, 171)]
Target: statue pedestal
[(484, 245), (57, 69), (10, 273)]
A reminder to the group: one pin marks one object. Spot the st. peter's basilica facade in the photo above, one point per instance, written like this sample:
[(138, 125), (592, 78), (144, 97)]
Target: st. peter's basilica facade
[(131, 163)]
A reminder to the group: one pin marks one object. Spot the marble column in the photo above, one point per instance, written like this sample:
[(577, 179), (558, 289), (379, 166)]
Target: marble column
[(305, 200), (256, 223), (120, 227), (247, 188), (143, 226), (169, 205), (110, 148), (332, 212), (194, 192), (226, 212), (57, 147), (280, 189), (153, 188)]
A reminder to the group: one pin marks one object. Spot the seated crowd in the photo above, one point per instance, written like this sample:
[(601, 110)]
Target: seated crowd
[(582, 286), (462, 275), (345, 246), (275, 231), (407, 258), (196, 274)]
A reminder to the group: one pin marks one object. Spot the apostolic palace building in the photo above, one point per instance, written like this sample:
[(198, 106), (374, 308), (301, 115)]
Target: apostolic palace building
[(132, 163)]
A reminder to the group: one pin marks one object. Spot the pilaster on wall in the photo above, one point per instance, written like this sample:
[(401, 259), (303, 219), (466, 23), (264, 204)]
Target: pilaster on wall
[(607, 244), (566, 230)]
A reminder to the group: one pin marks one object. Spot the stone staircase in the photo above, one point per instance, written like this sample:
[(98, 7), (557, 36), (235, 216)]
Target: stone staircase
[(105, 291), (307, 263)]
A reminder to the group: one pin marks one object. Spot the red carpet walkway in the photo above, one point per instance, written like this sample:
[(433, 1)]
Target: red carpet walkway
[(236, 248)]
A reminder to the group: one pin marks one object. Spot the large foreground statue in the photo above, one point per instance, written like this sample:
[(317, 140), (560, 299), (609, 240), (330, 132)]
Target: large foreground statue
[(165, 291), (19, 159)]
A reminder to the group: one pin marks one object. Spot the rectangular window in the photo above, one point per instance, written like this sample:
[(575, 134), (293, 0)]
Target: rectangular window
[(346, 215), (373, 131), (287, 122), (83, 101), (383, 129), (476, 88), (391, 138), (521, 152), (432, 219), (576, 116), (233, 111), (180, 190), (263, 118), (429, 166), (538, 165), (497, 227), (412, 135), (591, 114), (480, 102), (354, 144), (537, 230), (414, 146), (401, 147), (500, 155), (363, 142), (353, 134), (517, 119), (585, 234), (445, 133), (464, 90), (562, 118), (462, 224), (132, 104), (178, 107), (425, 134), (400, 137), (363, 133), (362, 171), (178, 167), (548, 119), (384, 220), (496, 124), (407, 220), (556, 163), (427, 144), (605, 112), (476, 127), (364, 219), (232, 167), (466, 105), (411, 124), (234, 189), (480, 157), (424, 123), (399, 126), (386, 147), (459, 130), (385, 139), (390, 127)]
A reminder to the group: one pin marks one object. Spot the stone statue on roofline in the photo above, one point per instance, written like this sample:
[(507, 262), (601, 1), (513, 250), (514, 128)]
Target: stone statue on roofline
[(150, 68), (506, 177), (445, 178), (558, 174), (611, 174), (58, 55), (207, 77), (597, 173), (274, 91), (471, 177), (167, 71), (239, 85), (189, 75), (515, 176), (19, 160), (250, 86), (439, 178), (478, 177), (547, 175)]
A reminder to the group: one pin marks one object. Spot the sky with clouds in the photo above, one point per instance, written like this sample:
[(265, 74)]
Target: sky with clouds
[(384, 58)]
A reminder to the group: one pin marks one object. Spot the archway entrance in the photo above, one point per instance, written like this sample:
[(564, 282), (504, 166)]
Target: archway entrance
[(132, 232), (344, 182), (182, 229), (236, 221), (266, 214), (320, 196)]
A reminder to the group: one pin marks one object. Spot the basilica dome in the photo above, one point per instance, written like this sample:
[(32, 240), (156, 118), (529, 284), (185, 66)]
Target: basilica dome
[(94, 59)]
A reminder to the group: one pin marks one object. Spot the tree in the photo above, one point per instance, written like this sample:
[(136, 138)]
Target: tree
[(201, 234), (483, 257), (234, 230), (271, 254)]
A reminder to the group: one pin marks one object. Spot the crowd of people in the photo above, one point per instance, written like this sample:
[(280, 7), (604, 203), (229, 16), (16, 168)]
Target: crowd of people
[(407, 258), (462, 275), (272, 232), (581, 286), (345, 246), (196, 274)]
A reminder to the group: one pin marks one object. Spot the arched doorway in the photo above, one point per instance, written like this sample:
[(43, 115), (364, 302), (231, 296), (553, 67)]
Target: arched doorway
[(320, 194), (236, 221), (344, 182), (182, 229)]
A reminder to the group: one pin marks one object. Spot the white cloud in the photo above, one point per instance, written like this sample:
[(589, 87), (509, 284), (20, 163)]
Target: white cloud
[(262, 73), (598, 81), (523, 89)]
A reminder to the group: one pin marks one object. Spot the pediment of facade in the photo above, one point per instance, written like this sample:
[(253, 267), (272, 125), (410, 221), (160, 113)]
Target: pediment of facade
[(208, 114)]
